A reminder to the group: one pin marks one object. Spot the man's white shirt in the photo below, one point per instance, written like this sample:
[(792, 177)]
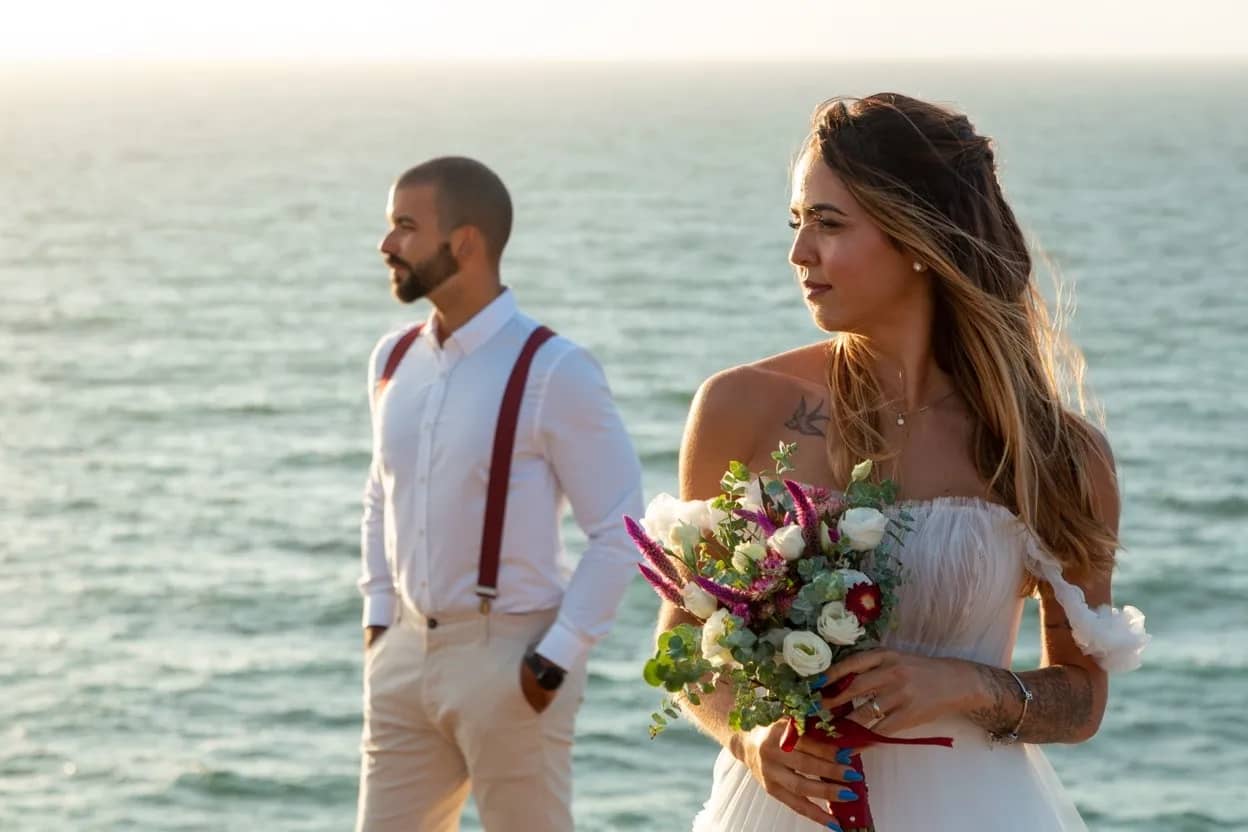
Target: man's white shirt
[(424, 504)]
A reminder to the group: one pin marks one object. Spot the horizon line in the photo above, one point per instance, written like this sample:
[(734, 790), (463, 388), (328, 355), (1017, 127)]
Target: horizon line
[(750, 60)]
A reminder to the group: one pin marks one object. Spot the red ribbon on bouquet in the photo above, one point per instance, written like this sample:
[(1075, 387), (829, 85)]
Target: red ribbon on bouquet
[(855, 815)]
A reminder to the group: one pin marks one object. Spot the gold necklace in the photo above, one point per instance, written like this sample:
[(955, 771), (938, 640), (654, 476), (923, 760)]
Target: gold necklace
[(902, 414)]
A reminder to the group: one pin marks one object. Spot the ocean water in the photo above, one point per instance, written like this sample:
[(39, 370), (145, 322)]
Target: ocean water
[(189, 289)]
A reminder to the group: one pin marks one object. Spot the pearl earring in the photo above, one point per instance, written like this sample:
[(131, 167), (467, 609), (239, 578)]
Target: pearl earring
[(918, 267)]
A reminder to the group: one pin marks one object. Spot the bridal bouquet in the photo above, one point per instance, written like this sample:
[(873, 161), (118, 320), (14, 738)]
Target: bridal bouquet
[(786, 580)]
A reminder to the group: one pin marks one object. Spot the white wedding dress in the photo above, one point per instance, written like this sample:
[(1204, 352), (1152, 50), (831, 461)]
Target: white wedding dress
[(964, 563)]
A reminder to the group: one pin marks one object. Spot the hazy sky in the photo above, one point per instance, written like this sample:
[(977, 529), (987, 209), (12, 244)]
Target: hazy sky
[(637, 29)]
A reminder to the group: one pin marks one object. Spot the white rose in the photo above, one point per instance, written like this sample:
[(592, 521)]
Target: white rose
[(700, 513), (713, 517), (659, 517), (806, 653), (752, 500), (747, 554), (852, 577), (863, 527), (712, 631), (788, 541), (861, 471), (698, 601), (665, 513), (838, 625), (684, 535), (741, 563)]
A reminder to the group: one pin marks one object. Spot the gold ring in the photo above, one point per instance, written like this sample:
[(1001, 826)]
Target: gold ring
[(876, 709)]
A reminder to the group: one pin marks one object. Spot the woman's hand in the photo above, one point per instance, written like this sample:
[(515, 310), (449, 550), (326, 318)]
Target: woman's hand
[(905, 690), (780, 772)]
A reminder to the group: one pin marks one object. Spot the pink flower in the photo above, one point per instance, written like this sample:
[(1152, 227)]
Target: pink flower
[(661, 586), (759, 518), (659, 561), (774, 563), (761, 585), (817, 494), (804, 512)]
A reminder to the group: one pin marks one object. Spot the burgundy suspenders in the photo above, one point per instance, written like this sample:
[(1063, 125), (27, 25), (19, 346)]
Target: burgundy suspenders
[(396, 355), (500, 468), (500, 461)]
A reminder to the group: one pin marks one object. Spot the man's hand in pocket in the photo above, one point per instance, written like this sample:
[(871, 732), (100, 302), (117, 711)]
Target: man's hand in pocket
[(371, 634)]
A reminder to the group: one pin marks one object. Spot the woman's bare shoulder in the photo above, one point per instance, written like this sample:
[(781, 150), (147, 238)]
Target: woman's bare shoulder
[(724, 393), (806, 364), (737, 408), (1102, 471)]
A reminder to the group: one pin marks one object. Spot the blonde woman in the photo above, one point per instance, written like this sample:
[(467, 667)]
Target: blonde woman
[(942, 366)]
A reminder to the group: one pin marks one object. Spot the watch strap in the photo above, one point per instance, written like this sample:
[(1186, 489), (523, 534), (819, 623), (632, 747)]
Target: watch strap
[(548, 674)]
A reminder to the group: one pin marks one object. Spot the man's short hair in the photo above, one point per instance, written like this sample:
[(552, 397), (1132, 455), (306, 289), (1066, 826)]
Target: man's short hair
[(466, 193)]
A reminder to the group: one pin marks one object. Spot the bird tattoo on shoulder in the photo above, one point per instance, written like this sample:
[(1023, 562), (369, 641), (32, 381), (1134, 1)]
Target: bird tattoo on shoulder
[(806, 421)]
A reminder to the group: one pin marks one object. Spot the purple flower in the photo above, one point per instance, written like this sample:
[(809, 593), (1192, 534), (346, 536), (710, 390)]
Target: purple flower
[(758, 517), (662, 587), (760, 586), (726, 595), (774, 563), (652, 551), (817, 494), (805, 513)]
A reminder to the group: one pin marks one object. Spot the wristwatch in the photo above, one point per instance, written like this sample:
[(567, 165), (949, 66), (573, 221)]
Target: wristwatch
[(548, 674)]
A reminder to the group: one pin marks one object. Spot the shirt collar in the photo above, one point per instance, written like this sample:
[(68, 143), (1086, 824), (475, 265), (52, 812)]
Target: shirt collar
[(478, 330)]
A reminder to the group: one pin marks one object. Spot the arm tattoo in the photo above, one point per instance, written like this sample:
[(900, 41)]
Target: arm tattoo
[(1005, 701), (1059, 712), (807, 423)]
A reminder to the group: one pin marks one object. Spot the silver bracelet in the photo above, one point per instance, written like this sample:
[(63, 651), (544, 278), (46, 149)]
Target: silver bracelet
[(1012, 736)]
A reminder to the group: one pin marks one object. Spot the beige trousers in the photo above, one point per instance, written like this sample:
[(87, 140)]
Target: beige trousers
[(444, 714)]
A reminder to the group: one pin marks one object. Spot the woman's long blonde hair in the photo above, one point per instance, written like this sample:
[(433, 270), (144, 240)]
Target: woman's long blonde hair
[(928, 180)]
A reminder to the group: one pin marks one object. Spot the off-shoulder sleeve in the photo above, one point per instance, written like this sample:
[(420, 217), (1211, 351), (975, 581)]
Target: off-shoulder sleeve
[(1114, 637)]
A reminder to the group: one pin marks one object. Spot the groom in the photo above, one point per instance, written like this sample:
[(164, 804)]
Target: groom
[(483, 423)]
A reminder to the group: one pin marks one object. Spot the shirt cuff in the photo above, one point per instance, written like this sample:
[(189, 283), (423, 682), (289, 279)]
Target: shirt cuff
[(564, 646), (379, 609)]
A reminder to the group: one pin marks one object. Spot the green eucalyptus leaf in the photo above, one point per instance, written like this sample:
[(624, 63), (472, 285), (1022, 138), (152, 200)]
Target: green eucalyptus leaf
[(652, 674)]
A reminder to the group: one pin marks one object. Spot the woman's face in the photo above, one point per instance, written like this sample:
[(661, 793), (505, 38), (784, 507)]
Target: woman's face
[(853, 277)]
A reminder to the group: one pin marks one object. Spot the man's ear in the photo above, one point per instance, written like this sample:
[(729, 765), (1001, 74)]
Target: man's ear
[(465, 242)]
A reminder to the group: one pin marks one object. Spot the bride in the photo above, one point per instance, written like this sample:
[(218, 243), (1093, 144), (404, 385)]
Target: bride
[(945, 370)]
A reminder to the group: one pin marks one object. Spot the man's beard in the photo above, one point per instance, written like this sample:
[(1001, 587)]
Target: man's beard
[(425, 276)]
